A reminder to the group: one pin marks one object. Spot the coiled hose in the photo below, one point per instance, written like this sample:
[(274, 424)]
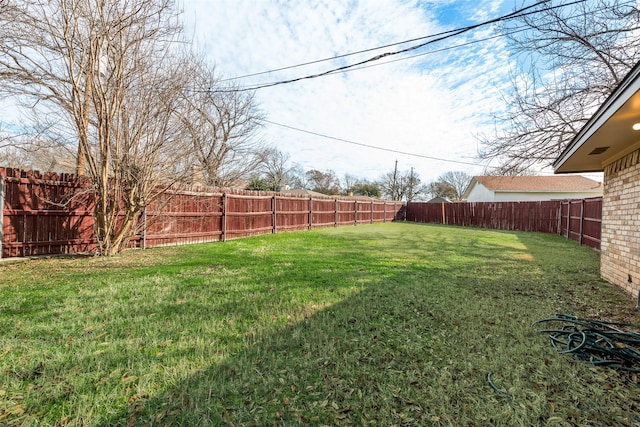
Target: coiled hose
[(595, 341)]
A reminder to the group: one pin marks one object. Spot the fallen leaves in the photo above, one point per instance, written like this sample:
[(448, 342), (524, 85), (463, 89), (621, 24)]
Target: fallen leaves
[(9, 415)]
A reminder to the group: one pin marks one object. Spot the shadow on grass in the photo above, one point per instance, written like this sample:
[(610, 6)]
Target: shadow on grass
[(411, 348), (324, 332)]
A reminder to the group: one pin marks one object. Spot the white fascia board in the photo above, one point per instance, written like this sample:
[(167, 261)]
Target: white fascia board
[(625, 90)]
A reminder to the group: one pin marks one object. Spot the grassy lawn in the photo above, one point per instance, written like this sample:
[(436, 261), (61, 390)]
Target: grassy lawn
[(385, 324)]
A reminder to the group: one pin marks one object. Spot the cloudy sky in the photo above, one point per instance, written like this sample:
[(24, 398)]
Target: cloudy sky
[(430, 102)]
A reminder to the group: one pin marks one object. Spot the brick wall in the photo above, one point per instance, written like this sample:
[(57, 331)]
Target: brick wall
[(620, 247)]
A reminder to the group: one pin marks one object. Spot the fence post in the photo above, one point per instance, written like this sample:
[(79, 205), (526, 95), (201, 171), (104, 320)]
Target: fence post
[(355, 209), (1, 214), (144, 228), (581, 220), (560, 219), (274, 203), (371, 212), (384, 218), (310, 212), (444, 221), (224, 217), (337, 215), (568, 218)]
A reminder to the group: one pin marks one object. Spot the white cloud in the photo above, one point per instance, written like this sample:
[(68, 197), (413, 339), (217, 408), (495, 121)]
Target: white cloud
[(432, 105)]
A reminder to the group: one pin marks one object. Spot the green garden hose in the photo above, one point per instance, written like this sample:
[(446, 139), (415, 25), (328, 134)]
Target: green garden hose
[(595, 341)]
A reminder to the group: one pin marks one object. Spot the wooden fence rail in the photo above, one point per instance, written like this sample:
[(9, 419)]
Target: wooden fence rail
[(579, 220), (53, 214)]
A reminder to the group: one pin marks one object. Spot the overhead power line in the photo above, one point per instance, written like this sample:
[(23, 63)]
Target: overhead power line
[(431, 52), (406, 153), (332, 58), (390, 150), (438, 37)]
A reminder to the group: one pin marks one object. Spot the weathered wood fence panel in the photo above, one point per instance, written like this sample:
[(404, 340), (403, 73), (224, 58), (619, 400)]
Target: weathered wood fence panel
[(44, 214), (346, 212), (579, 220), (181, 218), (53, 214), (324, 213), (292, 213)]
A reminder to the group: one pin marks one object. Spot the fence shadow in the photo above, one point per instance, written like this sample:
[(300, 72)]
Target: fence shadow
[(380, 356)]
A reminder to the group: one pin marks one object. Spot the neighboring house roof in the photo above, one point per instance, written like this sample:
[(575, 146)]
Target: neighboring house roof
[(486, 188), (538, 183), (303, 192), (439, 200), (608, 134), (310, 193)]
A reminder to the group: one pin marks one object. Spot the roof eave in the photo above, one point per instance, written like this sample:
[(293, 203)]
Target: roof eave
[(627, 87), (597, 190)]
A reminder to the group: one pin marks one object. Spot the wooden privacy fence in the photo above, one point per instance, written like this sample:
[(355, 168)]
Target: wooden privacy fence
[(190, 217), (578, 220), (44, 214), (581, 220), (53, 213)]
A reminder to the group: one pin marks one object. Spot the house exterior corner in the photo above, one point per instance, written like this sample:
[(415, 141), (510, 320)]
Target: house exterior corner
[(610, 142), (620, 246)]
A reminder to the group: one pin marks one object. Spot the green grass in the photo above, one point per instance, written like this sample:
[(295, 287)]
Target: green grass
[(386, 324)]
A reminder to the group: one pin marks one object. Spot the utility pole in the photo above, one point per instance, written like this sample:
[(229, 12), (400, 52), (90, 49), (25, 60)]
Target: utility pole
[(394, 187), (410, 192)]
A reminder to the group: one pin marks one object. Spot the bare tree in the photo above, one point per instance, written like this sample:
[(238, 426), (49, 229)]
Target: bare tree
[(5, 138), (297, 177), (275, 168), (106, 76), (405, 186), (29, 155), (323, 182), (574, 57), (457, 180), (389, 185), (348, 183), (509, 169), (442, 189), (221, 127), (411, 184)]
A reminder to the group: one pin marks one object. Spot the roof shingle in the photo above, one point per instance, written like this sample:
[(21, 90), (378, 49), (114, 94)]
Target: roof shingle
[(539, 183)]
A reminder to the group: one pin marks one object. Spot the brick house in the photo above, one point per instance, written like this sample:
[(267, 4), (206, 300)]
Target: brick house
[(610, 142)]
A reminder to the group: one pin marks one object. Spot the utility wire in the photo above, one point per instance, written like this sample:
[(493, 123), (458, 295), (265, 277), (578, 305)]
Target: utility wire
[(444, 49), (406, 153), (443, 36), (515, 30), (341, 56), (422, 156)]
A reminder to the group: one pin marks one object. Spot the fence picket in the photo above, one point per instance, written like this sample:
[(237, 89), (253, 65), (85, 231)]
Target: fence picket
[(53, 214), (2, 187), (583, 225)]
